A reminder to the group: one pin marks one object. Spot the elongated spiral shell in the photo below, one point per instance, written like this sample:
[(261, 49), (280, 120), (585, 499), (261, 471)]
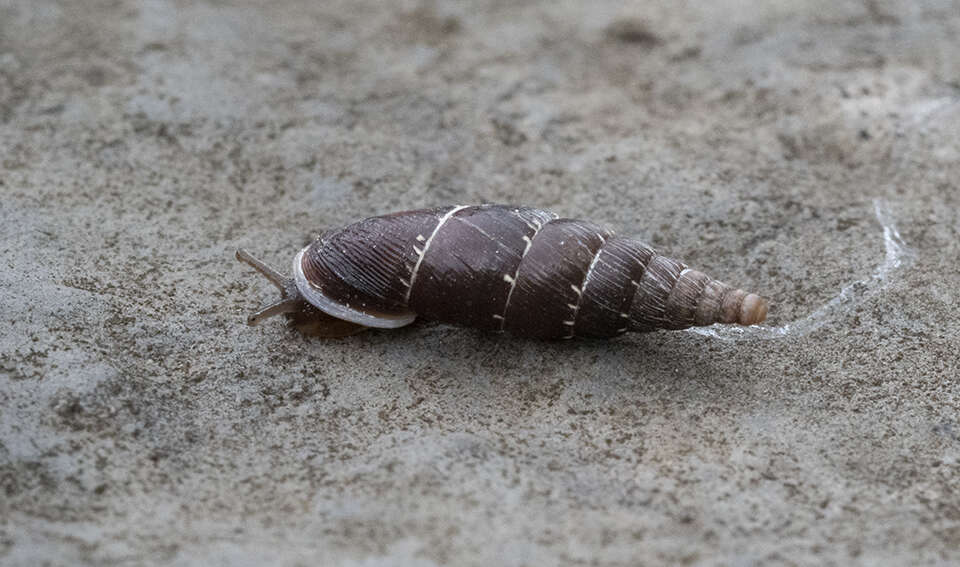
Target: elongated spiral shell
[(505, 268)]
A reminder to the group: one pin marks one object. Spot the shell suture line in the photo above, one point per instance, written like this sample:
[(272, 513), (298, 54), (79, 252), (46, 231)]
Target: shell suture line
[(583, 284), (516, 275), (426, 245)]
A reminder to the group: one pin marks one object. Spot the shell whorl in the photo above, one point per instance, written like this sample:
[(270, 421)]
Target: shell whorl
[(510, 269)]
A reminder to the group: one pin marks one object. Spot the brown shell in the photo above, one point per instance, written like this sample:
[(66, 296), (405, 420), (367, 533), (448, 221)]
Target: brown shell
[(517, 269)]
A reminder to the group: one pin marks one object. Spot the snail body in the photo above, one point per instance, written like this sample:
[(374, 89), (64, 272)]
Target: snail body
[(498, 268)]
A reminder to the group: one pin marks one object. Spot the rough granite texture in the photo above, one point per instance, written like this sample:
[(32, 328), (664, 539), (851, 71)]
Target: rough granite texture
[(771, 144)]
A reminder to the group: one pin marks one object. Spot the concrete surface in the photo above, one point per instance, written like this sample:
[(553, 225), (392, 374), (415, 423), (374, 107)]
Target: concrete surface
[(772, 144)]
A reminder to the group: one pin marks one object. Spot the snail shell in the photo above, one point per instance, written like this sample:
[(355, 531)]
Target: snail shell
[(498, 268)]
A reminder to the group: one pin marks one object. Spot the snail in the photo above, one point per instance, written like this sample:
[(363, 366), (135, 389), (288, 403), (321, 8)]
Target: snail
[(499, 268)]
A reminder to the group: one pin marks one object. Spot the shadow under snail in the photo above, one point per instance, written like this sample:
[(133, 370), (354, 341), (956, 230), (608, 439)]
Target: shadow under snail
[(499, 268)]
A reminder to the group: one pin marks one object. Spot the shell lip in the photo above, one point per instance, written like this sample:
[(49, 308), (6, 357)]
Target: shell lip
[(315, 297)]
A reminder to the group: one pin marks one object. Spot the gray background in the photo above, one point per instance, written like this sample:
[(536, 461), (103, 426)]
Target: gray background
[(770, 144)]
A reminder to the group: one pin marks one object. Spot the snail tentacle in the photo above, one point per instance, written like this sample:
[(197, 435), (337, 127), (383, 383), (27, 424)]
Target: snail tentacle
[(275, 277), (290, 301)]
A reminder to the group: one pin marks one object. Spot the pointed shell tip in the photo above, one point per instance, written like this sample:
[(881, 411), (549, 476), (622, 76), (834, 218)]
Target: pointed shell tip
[(753, 310)]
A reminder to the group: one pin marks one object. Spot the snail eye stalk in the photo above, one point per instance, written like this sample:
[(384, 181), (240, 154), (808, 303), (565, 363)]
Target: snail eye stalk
[(290, 301)]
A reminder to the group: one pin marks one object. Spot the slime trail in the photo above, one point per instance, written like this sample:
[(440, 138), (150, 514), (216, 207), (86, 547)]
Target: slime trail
[(898, 255), (919, 132)]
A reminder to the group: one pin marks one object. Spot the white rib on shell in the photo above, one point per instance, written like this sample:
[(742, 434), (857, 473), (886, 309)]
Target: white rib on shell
[(583, 285), (426, 246), (512, 280)]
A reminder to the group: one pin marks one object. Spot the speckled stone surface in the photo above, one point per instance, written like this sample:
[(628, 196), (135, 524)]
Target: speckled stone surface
[(781, 146)]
